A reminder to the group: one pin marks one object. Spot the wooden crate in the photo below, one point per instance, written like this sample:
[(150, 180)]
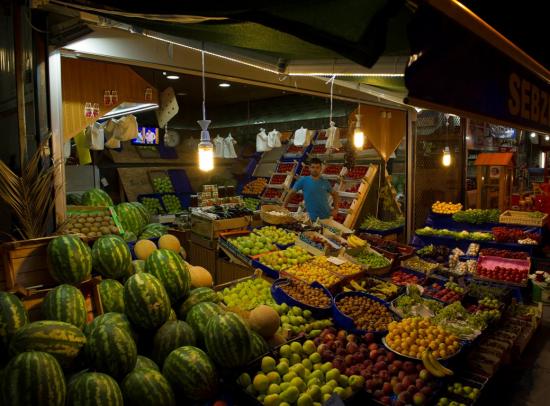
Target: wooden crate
[(25, 265), (227, 271), (212, 228), (201, 256)]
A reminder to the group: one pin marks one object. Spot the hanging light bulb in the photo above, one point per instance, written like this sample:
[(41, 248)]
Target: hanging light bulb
[(358, 135), (206, 149), (446, 157)]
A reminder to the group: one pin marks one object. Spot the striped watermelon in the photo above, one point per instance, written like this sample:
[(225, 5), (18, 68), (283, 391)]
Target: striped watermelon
[(138, 265), (96, 197), (227, 340), (92, 389), (172, 335), (170, 269), (65, 303), (111, 293), (153, 230), (259, 345), (146, 301), (33, 378), (147, 363), (111, 256), (198, 295), (131, 217), (199, 315), (114, 319), (147, 387), (143, 211), (62, 340), (112, 350), (13, 316), (191, 373), (69, 259)]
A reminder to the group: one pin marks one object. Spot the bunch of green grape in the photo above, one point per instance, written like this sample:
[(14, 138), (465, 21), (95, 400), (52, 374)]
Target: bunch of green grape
[(248, 294), (172, 204), (251, 203), (163, 184), (152, 205)]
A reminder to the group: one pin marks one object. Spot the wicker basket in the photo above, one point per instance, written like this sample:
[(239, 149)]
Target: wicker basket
[(275, 220), (522, 218)]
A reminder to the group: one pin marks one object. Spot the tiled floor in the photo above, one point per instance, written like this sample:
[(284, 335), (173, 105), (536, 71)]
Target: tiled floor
[(526, 383)]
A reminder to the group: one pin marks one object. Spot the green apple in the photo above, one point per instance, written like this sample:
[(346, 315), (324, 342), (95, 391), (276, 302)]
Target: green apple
[(260, 383), (272, 400), (305, 400), (290, 395), (315, 358), (273, 389), (299, 384), (268, 364), (333, 374), (309, 347), (289, 376), (274, 377), (282, 368), (285, 351), (244, 380)]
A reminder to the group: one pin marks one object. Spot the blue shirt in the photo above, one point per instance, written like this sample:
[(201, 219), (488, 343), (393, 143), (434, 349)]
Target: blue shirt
[(315, 196)]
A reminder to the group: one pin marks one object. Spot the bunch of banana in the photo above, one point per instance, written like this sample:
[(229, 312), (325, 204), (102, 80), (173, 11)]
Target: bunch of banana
[(434, 366), (356, 242), (383, 290)]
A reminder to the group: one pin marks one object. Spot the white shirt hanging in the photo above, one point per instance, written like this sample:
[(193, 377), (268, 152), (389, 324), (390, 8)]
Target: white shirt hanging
[(300, 136), (218, 146), (274, 139), (229, 147), (261, 141), (333, 137)]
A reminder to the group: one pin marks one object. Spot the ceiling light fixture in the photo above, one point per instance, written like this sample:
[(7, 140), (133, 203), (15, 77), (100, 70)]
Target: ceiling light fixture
[(533, 135), (224, 85), (547, 138), (358, 135), (172, 77), (206, 149), (446, 160)]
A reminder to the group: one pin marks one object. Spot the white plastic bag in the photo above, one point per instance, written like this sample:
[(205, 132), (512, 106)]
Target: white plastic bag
[(300, 137), (261, 141), (274, 139), (229, 147)]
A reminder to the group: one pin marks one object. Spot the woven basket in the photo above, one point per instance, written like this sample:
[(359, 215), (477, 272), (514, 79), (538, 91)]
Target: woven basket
[(522, 218), (275, 220)]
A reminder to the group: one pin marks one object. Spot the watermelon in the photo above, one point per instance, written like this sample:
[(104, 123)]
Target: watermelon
[(13, 316), (93, 388), (111, 293), (138, 265), (197, 295), (111, 256), (116, 319), (170, 269), (143, 211), (147, 387), (144, 362), (259, 345), (199, 315), (173, 316), (112, 350), (129, 237), (65, 303), (191, 373), (131, 217), (74, 199), (62, 340), (33, 378), (69, 259), (96, 197), (146, 301), (227, 340), (154, 230), (172, 335)]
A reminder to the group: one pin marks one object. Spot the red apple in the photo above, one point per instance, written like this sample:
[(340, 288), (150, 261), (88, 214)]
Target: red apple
[(373, 346), (378, 394), (398, 388), (369, 384), (351, 347), (426, 390), (387, 388), (409, 367), (419, 383), (401, 375), (373, 355), (412, 389), (407, 381), (386, 400), (397, 363)]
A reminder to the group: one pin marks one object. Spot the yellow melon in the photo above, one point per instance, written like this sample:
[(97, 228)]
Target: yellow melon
[(144, 248), (170, 242), (264, 320), (200, 277)]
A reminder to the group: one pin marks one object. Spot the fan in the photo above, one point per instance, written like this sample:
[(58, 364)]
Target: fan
[(171, 138)]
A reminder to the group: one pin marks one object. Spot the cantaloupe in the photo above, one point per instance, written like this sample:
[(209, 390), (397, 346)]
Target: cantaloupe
[(265, 321), (276, 340), (200, 277), (170, 242), (144, 248)]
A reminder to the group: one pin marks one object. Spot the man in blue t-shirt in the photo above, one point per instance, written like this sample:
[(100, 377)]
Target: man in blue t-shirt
[(316, 191)]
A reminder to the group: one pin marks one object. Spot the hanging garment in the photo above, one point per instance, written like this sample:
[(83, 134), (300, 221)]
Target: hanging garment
[(229, 147), (261, 141), (300, 137), (274, 139), (333, 137), (218, 146)]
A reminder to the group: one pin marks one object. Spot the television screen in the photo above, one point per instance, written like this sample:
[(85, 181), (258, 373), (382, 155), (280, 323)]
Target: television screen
[(147, 136)]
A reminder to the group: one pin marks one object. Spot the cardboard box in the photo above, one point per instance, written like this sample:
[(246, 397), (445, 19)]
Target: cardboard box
[(212, 228)]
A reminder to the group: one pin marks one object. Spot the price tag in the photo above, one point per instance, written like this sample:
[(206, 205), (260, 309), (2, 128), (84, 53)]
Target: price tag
[(334, 400), (337, 261)]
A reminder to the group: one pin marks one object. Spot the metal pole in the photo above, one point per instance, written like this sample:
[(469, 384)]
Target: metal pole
[(20, 84)]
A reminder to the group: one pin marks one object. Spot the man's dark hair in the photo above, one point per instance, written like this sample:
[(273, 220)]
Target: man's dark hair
[(315, 161)]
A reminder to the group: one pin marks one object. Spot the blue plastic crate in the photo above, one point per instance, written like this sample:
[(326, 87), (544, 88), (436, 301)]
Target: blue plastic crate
[(157, 196), (180, 181), (281, 296)]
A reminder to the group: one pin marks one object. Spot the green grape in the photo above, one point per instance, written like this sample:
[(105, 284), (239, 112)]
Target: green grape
[(163, 184)]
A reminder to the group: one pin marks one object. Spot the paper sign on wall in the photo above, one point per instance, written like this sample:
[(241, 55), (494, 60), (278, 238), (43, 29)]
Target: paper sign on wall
[(168, 107)]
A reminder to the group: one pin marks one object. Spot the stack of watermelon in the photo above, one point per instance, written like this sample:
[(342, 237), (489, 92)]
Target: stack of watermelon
[(96, 197)]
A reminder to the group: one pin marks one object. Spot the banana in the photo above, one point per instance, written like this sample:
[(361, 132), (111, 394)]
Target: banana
[(346, 289), (351, 243), (358, 242), (439, 366), (427, 361), (356, 286)]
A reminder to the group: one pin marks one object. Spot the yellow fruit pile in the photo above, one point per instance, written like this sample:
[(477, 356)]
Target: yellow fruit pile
[(255, 187), (318, 269), (413, 336), (446, 208)]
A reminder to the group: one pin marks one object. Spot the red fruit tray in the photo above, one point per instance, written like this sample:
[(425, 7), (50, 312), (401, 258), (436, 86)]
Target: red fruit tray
[(319, 150), (285, 167), (489, 262), (272, 194), (280, 180), (304, 171), (357, 172), (332, 170)]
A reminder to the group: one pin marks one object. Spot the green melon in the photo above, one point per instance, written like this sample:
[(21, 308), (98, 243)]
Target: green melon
[(153, 230), (199, 315), (112, 350), (111, 256), (116, 319), (96, 197), (69, 259), (227, 340), (191, 373), (170, 269), (259, 345), (146, 301), (94, 389), (196, 296), (33, 378), (111, 293), (13, 316), (143, 211), (65, 303), (147, 387), (62, 340), (147, 363), (172, 335), (131, 217)]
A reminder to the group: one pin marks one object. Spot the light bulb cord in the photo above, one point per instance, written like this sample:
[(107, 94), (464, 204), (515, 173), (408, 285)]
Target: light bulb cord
[(203, 88)]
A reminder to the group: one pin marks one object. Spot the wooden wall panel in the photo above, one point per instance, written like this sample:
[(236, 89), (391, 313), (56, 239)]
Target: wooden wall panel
[(86, 81)]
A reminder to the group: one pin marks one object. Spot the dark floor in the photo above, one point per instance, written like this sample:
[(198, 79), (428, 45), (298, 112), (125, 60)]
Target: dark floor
[(528, 381)]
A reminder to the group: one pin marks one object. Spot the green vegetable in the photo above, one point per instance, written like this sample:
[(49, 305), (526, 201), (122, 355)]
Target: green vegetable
[(459, 235), (372, 223), (372, 260), (477, 216)]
